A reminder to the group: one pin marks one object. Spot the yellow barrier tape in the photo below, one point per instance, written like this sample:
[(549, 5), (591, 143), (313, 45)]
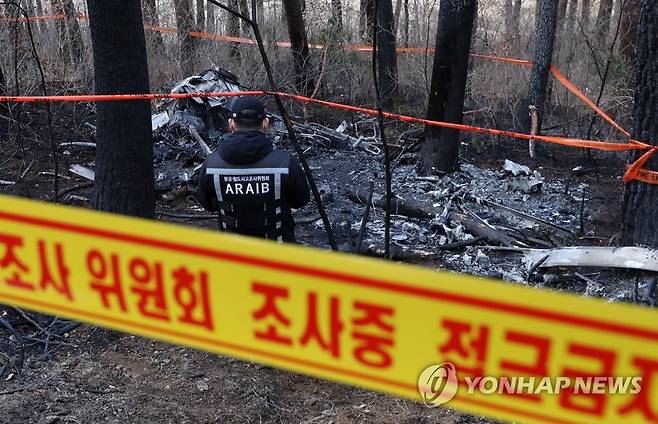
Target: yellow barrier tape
[(373, 324)]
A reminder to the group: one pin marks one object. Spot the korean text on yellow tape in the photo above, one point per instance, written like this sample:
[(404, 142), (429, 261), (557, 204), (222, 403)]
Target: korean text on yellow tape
[(501, 350)]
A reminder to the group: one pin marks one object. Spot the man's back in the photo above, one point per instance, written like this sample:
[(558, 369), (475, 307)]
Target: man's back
[(253, 187)]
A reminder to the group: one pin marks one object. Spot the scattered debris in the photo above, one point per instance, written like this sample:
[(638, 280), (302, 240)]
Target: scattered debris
[(588, 256), (516, 169), (82, 171), (78, 144), (187, 130), (159, 120)]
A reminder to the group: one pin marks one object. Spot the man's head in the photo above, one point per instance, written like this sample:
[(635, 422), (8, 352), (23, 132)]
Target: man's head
[(248, 113)]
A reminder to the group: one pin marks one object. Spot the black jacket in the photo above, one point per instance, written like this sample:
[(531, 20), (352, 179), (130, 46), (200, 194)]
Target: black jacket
[(250, 152)]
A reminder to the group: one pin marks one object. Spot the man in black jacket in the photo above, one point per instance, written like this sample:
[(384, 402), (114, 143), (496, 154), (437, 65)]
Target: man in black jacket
[(251, 185)]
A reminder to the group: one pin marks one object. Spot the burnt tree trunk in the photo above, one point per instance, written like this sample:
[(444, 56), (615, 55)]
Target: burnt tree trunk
[(440, 150), (299, 45), (629, 27), (124, 145), (641, 199), (602, 26), (185, 25), (544, 43), (386, 55)]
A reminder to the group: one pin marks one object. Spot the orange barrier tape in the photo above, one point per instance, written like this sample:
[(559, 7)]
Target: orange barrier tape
[(367, 48), (571, 87), (634, 172), (643, 175)]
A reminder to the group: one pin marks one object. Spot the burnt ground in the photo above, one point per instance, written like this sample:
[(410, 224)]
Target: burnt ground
[(96, 375)]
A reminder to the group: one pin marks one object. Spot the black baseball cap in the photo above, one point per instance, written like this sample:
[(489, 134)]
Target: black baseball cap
[(248, 109)]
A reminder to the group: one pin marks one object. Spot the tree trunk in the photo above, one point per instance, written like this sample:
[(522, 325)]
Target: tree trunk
[(260, 12), (233, 27), (512, 20), (38, 11), (398, 13), (4, 107), (337, 13), (603, 20), (571, 18), (362, 17), (386, 55), (64, 45), (73, 30), (185, 25), (200, 15), (366, 18), (561, 15), (629, 27), (211, 22), (545, 40), (406, 23), (38, 5), (150, 10), (244, 10), (440, 150), (299, 44), (585, 14), (641, 199), (124, 146)]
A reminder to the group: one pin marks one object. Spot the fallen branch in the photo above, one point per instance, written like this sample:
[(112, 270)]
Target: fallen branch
[(419, 210), (527, 216), (364, 219), (462, 243), (78, 144), (75, 188)]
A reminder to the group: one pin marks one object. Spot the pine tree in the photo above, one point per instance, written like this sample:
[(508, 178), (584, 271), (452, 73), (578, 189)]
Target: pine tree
[(440, 150), (124, 180)]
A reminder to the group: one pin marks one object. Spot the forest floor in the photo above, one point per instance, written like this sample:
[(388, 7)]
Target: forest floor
[(106, 376)]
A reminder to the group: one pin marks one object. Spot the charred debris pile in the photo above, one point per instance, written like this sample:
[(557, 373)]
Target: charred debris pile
[(511, 223)]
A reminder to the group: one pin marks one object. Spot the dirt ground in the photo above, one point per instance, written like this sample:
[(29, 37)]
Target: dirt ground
[(104, 376)]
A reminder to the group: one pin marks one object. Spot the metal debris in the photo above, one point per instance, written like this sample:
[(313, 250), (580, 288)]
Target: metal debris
[(82, 171), (516, 169), (588, 256)]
